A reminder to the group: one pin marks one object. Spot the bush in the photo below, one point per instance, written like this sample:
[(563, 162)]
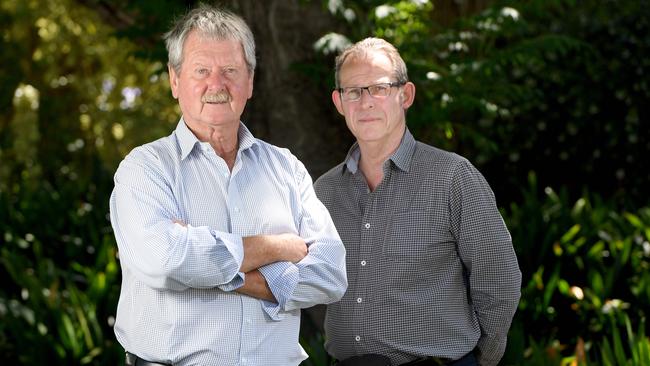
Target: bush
[(585, 269), (59, 274), (558, 87)]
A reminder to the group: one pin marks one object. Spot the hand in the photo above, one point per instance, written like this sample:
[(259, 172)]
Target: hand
[(292, 247), (176, 221)]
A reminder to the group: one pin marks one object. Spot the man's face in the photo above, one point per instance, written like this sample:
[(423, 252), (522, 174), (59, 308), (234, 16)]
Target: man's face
[(213, 84), (373, 119)]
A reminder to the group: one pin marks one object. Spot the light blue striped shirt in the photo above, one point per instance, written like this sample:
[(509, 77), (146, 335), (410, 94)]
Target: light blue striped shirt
[(177, 303)]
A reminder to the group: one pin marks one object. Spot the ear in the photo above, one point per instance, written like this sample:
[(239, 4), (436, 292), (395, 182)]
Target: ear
[(408, 95), (173, 81), (250, 84), (336, 98)]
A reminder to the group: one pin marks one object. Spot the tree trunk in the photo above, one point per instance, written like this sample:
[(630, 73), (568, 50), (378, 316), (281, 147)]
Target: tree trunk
[(446, 12), (291, 105)]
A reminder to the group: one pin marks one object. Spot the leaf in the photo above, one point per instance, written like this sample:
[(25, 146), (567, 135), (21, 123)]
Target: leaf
[(634, 220), (570, 234)]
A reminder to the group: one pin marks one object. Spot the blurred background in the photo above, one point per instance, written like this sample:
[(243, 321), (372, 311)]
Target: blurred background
[(550, 99)]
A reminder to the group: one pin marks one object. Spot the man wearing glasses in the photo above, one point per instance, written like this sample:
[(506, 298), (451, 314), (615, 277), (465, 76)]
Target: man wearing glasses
[(433, 277)]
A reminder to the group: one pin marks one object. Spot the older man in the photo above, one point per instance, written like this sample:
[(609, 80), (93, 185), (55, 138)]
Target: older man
[(221, 237), (433, 275)]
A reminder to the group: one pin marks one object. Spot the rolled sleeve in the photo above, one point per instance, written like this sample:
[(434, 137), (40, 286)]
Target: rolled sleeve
[(159, 252), (282, 278), (233, 244)]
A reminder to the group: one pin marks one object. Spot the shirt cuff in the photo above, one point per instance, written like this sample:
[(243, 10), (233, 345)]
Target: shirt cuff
[(282, 278), (234, 245), (234, 284)]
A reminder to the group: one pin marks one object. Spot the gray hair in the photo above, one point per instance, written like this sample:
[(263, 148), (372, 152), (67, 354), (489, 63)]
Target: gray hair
[(367, 45), (210, 22)]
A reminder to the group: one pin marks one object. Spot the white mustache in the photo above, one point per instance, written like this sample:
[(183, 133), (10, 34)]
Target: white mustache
[(218, 97)]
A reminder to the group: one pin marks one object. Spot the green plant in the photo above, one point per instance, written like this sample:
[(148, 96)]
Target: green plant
[(557, 87), (582, 262), (52, 300), (630, 348)]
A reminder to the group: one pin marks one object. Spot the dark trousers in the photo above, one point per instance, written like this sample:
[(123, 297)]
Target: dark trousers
[(132, 360)]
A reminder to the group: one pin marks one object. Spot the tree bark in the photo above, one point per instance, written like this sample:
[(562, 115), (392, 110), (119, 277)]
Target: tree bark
[(291, 105), (446, 12)]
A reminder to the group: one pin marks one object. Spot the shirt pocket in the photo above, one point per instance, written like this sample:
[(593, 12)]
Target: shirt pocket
[(417, 237)]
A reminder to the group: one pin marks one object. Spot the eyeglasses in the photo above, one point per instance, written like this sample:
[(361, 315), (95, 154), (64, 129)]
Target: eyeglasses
[(382, 90)]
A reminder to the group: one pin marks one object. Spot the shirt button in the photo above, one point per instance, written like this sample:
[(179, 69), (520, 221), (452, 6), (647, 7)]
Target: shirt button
[(359, 300), (236, 209), (357, 338), (367, 225), (363, 263)]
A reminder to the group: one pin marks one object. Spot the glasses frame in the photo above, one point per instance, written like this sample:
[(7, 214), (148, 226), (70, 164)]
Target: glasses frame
[(391, 85)]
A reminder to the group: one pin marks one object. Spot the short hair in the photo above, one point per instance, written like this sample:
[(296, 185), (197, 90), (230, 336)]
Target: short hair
[(211, 22), (372, 44)]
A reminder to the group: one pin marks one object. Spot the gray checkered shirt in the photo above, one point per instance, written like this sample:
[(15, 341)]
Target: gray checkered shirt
[(430, 262)]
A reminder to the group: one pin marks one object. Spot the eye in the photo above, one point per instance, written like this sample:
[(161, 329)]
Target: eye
[(352, 93), (202, 71), (230, 71), (380, 90)]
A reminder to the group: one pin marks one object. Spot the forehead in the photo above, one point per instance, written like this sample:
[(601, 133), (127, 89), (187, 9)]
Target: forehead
[(201, 46), (369, 66)]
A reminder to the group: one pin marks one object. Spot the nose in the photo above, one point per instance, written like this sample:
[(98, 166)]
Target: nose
[(366, 100), (215, 81)]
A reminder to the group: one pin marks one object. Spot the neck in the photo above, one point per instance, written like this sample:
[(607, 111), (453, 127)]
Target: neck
[(223, 139), (373, 155), (225, 146)]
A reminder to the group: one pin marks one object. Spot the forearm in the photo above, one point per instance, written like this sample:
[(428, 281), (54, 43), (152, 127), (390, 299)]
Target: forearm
[(255, 286), (319, 278), (322, 279), (495, 313), (166, 255), (260, 250)]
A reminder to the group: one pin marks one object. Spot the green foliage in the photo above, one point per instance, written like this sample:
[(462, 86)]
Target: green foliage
[(60, 283), (557, 87), (314, 347), (70, 113), (584, 265)]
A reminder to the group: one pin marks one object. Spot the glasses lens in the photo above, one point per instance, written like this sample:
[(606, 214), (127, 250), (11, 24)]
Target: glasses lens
[(352, 93), (379, 90)]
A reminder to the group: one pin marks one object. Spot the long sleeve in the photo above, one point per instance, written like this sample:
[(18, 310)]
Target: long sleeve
[(178, 299), (485, 247), (159, 252), (320, 277)]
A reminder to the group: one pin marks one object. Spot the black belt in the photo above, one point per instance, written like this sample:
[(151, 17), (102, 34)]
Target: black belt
[(433, 361), (379, 360), (132, 360)]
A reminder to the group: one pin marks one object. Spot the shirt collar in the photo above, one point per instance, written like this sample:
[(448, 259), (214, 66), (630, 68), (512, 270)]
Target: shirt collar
[(187, 140), (402, 157)]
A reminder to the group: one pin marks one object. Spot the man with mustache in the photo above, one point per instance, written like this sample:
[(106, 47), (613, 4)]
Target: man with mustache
[(433, 275), (221, 237)]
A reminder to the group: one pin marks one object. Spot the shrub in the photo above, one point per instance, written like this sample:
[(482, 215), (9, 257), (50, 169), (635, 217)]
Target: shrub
[(585, 267)]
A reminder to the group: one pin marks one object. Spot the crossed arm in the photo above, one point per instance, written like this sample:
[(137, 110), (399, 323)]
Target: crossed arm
[(165, 253), (260, 250)]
